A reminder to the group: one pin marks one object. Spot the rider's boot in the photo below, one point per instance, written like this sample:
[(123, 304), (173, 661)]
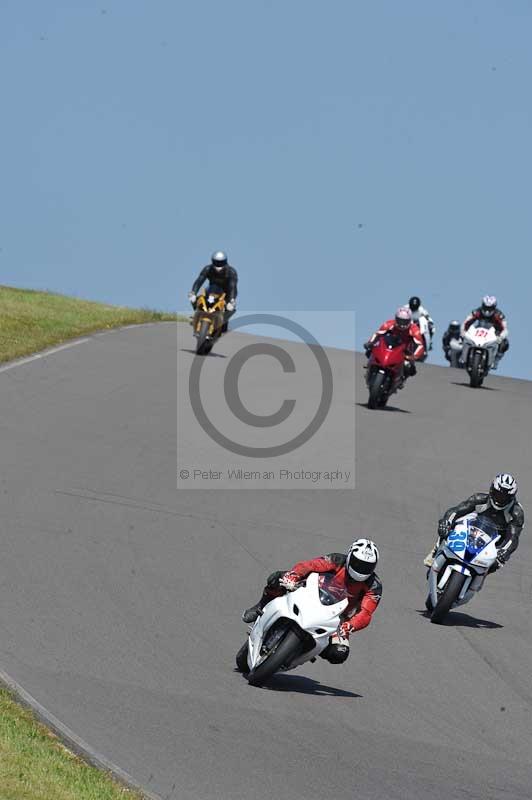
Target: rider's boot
[(429, 558)]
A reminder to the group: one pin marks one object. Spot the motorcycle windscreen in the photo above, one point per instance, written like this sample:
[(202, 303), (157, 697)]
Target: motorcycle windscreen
[(481, 531), (331, 590)]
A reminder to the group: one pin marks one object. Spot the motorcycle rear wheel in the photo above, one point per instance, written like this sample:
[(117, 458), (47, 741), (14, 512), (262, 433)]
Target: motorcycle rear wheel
[(449, 596), (286, 650)]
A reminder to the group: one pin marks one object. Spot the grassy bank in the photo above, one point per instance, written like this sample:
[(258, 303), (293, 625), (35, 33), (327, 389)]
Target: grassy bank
[(34, 765), (31, 321)]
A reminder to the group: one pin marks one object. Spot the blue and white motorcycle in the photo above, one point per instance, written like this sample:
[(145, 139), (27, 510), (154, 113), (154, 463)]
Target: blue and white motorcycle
[(461, 564)]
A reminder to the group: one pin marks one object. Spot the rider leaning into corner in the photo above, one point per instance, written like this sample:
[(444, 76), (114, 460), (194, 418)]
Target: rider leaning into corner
[(354, 573), (409, 332), (222, 277), (500, 505), (488, 312)]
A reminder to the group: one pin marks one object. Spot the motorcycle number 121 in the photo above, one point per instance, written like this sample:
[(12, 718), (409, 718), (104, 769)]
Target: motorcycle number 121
[(456, 541)]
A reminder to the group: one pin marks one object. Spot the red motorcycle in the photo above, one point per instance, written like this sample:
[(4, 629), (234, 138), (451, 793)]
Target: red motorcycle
[(385, 368)]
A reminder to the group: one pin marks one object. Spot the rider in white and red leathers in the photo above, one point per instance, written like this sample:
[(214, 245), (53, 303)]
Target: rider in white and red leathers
[(354, 573)]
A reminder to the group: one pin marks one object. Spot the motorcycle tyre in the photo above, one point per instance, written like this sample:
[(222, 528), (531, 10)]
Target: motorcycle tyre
[(448, 596), (242, 659), (375, 399), (476, 375), (203, 345), (287, 649)]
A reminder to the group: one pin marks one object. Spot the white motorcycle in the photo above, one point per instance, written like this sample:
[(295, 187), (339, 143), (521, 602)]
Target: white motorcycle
[(481, 345), (461, 564), (292, 629)]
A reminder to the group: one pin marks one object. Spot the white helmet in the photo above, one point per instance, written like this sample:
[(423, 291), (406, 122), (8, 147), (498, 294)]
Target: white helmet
[(403, 317), (361, 559), (503, 490), (489, 305)]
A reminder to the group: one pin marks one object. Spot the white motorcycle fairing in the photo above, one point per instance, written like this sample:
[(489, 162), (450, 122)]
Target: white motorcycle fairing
[(480, 337), (303, 608), (472, 536)]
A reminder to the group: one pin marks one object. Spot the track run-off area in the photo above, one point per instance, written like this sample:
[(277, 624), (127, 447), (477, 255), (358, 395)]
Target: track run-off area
[(121, 596)]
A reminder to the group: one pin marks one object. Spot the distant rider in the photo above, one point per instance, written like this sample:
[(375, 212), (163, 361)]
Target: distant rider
[(418, 311), (354, 573), (222, 277), (452, 333), (488, 312), (409, 332), (500, 506)]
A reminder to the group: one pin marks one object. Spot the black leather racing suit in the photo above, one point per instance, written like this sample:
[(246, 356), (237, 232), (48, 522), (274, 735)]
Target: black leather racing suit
[(226, 279), (446, 342), (508, 522)]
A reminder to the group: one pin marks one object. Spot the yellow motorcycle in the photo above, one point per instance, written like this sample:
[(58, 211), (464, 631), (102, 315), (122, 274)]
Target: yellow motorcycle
[(208, 320)]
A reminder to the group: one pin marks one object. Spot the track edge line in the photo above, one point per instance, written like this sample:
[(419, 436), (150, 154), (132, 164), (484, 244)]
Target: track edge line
[(74, 742)]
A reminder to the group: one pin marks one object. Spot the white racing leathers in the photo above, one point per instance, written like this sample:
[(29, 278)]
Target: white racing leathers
[(426, 326)]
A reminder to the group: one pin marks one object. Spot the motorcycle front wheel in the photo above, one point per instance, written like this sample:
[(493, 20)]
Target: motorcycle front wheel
[(476, 374), (203, 343), (286, 650), (242, 659), (449, 595), (377, 396)]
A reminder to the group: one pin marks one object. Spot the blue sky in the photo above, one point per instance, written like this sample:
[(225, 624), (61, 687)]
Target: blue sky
[(346, 154)]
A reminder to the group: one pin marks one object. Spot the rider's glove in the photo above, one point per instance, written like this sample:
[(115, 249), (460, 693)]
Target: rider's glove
[(289, 581), (230, 305), (192, 297), (344, 630), (501, 560), (444, 526), (368, 346)]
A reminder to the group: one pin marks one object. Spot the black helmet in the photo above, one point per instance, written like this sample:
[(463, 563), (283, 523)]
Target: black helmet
[(454, 326), (414, 303), (503, 490), (219, 260)]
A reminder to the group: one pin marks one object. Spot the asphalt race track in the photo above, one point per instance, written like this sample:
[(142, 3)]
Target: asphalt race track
[(120, 597)]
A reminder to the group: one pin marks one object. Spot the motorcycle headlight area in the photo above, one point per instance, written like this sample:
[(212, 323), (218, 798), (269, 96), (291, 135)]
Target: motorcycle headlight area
[(477, 541)]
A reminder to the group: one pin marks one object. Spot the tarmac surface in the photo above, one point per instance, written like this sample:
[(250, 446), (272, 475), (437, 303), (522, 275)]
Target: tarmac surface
[(120, 596)]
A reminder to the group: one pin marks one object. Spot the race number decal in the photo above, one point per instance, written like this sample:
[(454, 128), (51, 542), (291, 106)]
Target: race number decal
[(456, 541)]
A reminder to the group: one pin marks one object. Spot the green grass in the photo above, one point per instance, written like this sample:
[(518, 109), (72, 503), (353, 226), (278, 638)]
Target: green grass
[(34, 765), (31, 321)]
